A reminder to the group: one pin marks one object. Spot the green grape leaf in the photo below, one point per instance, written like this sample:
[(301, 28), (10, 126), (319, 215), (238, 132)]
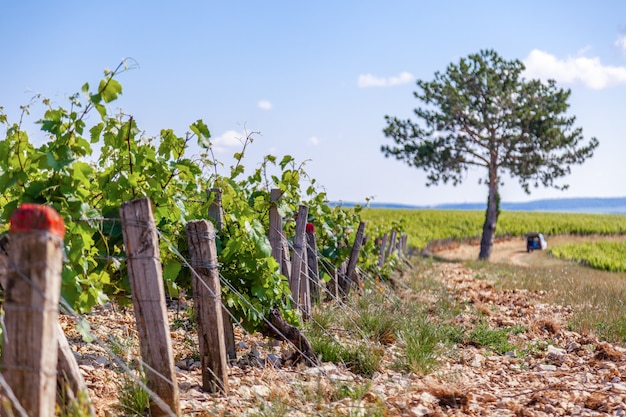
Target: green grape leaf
[(110, 90), (202, 132), (171, 270), (84, 329)]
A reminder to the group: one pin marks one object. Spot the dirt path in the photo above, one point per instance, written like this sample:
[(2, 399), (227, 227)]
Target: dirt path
[(514, 250)]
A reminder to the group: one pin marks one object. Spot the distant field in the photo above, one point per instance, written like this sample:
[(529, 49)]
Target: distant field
[(424, 226), (608, 256)]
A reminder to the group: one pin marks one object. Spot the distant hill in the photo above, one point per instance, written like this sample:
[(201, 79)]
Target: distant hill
[(612, 205)]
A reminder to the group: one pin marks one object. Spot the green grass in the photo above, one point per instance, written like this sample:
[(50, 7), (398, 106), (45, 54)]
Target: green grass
[(360, 357), (134, 400), (374, 320), (494, 339), (71, 404), (422, 343)]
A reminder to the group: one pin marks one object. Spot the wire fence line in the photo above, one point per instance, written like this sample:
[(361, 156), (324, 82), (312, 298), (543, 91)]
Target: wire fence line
[(79, 319)]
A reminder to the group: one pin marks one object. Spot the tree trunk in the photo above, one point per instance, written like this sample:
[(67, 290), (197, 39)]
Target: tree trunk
[(491, 218)]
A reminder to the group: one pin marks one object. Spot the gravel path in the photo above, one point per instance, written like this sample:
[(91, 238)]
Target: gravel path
[(556, 373)]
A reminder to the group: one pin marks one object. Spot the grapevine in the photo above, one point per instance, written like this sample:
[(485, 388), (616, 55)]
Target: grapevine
[(87, 188)]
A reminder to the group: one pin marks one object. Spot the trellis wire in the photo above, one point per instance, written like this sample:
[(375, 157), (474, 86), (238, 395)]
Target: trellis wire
[(67, 309)]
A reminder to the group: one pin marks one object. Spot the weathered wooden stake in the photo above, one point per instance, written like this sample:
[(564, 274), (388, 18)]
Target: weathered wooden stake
[(69, 377), (208, 303), (299, 282), (354, 256), (381, 254), (313, 267), (216, 212), (285, 266), (333, 284), (343, 281), (403, 242), (275, 234), (392, 243), (33, 288), (146, 280)]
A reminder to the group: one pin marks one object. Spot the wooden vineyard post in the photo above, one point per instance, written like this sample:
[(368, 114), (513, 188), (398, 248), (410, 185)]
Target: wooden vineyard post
[(343, 281), (276, 235), (333, 284), (381, 254), (208, 303), (392, 243), (285, 266), (403, 242), (353, 276), (69, 377), (299, 283), (216, 212), (32, 304), (143, 260), (312, 262)]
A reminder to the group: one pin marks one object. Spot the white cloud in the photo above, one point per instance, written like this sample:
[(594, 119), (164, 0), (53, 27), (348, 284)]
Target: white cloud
[(620, 42), (588, 71), (228, 139), (369, 80), (313, 141), (264, 105)]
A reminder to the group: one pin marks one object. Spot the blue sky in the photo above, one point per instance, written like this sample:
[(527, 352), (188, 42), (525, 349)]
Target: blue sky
[(317, 78)]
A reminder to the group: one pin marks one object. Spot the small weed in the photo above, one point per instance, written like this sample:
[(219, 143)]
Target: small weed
[(364, 359), (274, 408), (186, 321), (134, 400), (121, 348), (328, 349), (518, 329), (71, 405), (378, 323), (446, 305), (355, 392), (495, 339), (534, 349), (361, 358), (451, 334), (421, 341)]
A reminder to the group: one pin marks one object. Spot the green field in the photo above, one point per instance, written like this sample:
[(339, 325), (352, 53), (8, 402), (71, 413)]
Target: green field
[(424, 226), (607, 256)]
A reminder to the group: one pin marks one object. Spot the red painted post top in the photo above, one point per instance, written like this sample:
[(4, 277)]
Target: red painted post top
[(32, 217), (310, 227)]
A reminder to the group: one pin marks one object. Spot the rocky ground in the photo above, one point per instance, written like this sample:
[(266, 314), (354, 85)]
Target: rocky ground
[(560, 373)]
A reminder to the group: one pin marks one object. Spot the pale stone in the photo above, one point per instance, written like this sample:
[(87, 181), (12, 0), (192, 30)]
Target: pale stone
[(620, 387), (428, 398), (477, 361), (260, 390), (420, 411), (551, 350)]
